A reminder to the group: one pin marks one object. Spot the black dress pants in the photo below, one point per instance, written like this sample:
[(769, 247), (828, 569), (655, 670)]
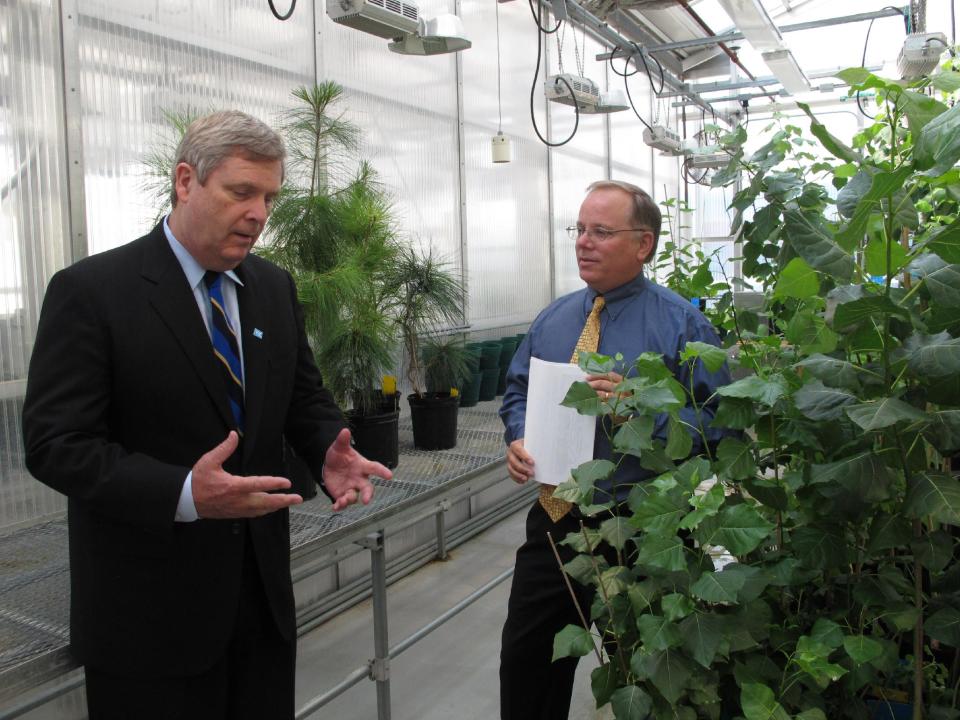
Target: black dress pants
[(531, 686), (254, 680)]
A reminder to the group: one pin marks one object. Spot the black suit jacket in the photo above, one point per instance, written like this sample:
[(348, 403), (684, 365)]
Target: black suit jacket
[(123, 397)]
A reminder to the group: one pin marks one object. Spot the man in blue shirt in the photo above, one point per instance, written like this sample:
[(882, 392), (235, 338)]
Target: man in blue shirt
[(616, 233)]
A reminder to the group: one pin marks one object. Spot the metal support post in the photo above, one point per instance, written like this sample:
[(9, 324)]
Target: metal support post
[(441, 518), (379, 666)]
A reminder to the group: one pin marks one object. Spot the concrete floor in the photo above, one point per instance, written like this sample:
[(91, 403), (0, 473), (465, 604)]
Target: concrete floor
[(452, 674)]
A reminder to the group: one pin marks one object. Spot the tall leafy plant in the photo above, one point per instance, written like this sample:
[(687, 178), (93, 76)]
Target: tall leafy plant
[(807, 566)]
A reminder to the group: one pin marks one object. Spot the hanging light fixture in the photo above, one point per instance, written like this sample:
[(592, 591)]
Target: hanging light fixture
[(499, 143)]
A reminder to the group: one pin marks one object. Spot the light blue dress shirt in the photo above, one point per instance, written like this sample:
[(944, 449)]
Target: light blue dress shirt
[(186, 509), (638, 317)]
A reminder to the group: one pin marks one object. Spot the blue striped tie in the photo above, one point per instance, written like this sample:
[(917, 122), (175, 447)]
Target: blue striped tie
[(225, 347)]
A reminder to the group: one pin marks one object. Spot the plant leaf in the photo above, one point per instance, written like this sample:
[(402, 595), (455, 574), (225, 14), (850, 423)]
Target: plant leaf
[(937, 148), (740, 529), (718, 587), (735, 459), (862, 649), (657, 632), (634, 436), (936, 494), (812, 241), (797, 280), (879, 414), (572, 641), (668, 670), (617, 531), (944, 625), (944, 286), (831, 371), (819, 402), (661, 552), (759, 703), (712, 357), (850, 313), (679, 440), (933, 355), (766, 392), (631, 703), (702, 634)]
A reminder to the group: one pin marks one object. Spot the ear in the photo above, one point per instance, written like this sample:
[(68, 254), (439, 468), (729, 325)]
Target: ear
[(645, 247), (184, 179)]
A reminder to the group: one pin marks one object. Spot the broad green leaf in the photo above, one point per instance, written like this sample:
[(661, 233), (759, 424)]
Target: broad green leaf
[(702, 634), (740, 529), (572, 641), (810, 332), (718, 587), (643, 595), (712, 357), (934, 550), (584, 399), (827, 633), (579, 539), (879, 414), (888, 531), (587, 474), (819, 547), (768, 492), (660, 513), (937, 148), (759, 703), (634, 436), (651, 366), (936, 494), (582, 569), (943, 431), (661, 552), (834, 146), (862, 649), (944, 625), (657, 632), (755, 580), (944, 286), (603, 683), (797, 280), (679, 440), (668, 670), (924, 264), (876, 258), (850, 195), (819, 402), (883, 187), (811, 714), (704, 506), (735, 413), (676, 606), (831, 371), (662, 396), (735, 459), (813, 241), (570, 491), (920, 109), (614, 580), (946, 80), (933, 355), (851, 313), (617, 531), (946, 243), (863, 474), (693, 472), (631, 703), (766, 392)]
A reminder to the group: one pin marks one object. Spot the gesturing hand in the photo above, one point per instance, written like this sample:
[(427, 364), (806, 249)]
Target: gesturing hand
[(346, 473), (218, 494)]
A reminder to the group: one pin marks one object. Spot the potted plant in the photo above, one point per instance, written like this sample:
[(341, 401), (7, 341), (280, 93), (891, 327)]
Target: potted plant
[(825, 565), (428, 297), (337, 235)]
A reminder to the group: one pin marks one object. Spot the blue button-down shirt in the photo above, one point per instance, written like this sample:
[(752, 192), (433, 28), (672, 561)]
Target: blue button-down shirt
[(638, 317)]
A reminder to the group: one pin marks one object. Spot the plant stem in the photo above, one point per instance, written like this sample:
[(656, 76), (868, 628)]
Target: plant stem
[(573, 595), (606, 600)]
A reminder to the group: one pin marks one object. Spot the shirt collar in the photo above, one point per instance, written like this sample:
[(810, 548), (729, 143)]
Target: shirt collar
[(191, 268), (617, 299)]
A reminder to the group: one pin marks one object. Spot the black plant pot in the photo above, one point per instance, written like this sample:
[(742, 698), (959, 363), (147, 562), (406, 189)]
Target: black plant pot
[(376, 437), (434, 417)]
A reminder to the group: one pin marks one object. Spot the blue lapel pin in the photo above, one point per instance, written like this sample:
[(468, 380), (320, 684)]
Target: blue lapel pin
[(258, 333)]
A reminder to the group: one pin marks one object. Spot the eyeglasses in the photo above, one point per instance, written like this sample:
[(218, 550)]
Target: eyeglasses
[(599, 234)]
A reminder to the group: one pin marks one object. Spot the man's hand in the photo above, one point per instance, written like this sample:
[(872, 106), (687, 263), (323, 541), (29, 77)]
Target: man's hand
[(605, 384), (346, 473), (218, 494), (519, 462)]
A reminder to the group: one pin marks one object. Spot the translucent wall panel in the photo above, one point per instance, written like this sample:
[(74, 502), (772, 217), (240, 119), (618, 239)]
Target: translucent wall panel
[(33, 226), (139, 59), (506, 204)]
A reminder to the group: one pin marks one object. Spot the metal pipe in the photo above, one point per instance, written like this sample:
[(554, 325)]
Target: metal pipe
[(337, 690), (441, 534), (452, 612), (42, 698), (380, 665)]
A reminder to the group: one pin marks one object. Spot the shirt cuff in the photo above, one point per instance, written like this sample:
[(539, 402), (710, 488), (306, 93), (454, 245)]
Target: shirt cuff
[(186, 509)]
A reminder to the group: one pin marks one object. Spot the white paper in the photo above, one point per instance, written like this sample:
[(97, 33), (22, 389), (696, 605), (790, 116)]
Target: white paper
[(558, 438)]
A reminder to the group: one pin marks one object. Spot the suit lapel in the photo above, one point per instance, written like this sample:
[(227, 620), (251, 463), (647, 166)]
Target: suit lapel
[(172, 298), (252, 321)]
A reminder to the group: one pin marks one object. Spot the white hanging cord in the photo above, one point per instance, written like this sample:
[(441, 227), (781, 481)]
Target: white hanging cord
[(499, 106)]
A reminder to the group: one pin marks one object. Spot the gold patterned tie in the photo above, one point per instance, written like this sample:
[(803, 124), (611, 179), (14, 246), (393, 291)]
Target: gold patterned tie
[(589, 342)]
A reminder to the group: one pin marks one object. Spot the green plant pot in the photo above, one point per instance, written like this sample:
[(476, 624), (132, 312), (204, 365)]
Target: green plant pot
[(470, 393), (488, 383), (376, 437), (490, 356), (434, 417)]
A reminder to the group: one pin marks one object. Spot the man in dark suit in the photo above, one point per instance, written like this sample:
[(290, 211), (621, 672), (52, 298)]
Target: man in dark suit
[(168, 380)]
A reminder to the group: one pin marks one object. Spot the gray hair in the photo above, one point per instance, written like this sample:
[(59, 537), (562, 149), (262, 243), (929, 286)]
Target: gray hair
[(211, 139), (645, 211)]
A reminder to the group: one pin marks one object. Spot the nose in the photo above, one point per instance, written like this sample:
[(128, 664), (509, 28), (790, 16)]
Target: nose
[(258, 209), (583, 240)]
